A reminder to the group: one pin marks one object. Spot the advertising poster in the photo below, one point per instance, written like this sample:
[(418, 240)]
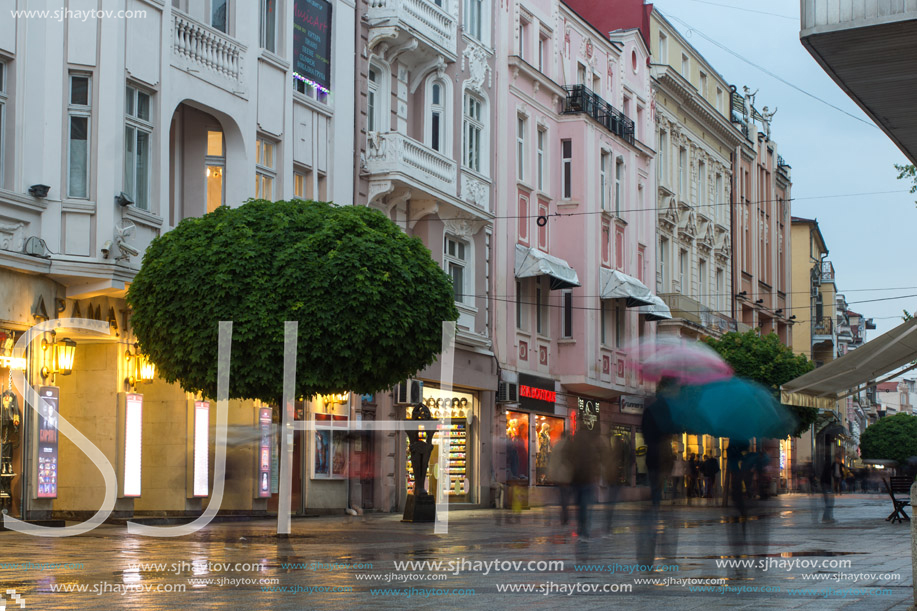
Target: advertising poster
[(201, 479), (312, 42), (264, 453), (133, 443), (47, 442), (322, 452)]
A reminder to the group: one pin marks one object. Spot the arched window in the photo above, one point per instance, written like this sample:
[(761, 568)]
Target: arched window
[(475, 143), (438, 96), (374, 99)]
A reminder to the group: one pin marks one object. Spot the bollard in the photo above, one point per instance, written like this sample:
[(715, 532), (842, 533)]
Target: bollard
[(913, 607)]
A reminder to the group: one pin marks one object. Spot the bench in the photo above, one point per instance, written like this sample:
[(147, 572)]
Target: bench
[(897, 486)]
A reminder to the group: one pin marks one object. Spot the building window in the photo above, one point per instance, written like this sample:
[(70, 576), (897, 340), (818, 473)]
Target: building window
[(540, 161), (720, 287), (619, 326), (703, 84), (137, 132), (566, 153), (702, 183), (662, 264), (520, 148), (606, 243), (524, 38), (474, 10), (303, 183), (663, 48), (603, 327), (543, 229), (682, 174), (455, 261), (685, 66), (219, 14), (568, 314), (373, 100), (79, 112), (521, 321), (264, 169), (717, 197), (619, 185), (683, 271), (3, 99), (702, 292), (541, 306), (719, 99), (523, 218), (268, 23), (641, 261), (580, 74), (604, 161), (661, 159), (543, 46), (473, 130), (215, 163), (322, 187), (437, 116)]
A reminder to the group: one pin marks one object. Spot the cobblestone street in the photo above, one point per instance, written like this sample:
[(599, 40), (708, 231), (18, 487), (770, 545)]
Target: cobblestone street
[(357, 556)]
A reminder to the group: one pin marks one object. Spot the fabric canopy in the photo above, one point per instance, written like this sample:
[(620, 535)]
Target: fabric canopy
[(616, 285), (532, 262), (657, 311), (825, 385)]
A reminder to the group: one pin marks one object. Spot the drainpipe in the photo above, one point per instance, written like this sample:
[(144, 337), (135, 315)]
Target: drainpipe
[(732, 237)]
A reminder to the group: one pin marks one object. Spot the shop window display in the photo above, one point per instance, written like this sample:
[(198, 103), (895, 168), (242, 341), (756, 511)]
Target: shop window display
[(517, 445), (622, 453), (458, 408), (330, 452), (548, 432)]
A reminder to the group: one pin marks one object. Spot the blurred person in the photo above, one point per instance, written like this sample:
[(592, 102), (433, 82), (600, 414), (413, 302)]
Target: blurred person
[(827, 489), (678, 473), (658, 430), (560, 473), (614, 461), (710, 468), (838, 473), (586, 460), (691, 474)]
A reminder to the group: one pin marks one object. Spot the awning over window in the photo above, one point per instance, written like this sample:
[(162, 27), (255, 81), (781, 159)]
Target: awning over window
[(657, 311), (531, 262), (616, 285), (843, 376)]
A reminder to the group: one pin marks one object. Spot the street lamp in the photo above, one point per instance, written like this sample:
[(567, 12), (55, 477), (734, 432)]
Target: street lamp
[(63, 354), (139, 368)]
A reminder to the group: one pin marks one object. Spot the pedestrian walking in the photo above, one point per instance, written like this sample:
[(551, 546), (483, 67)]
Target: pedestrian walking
[(710, 469)]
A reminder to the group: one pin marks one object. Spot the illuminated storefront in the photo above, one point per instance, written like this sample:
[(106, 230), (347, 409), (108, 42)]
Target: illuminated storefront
[(532, 432), (462, 408)]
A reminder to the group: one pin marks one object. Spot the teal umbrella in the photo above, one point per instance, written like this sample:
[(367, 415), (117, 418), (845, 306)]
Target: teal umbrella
[(734, 408)]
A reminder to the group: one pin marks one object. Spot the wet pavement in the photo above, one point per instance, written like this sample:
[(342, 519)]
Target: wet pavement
[(858, 562)]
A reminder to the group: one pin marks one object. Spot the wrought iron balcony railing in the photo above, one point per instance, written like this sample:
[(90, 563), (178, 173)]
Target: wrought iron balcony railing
[(582, 99)]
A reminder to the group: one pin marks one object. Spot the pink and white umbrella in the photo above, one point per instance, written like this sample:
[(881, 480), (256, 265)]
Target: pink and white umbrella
[(686, 362)]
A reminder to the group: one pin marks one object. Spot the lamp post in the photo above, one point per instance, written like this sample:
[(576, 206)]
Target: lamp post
[(63, 355)]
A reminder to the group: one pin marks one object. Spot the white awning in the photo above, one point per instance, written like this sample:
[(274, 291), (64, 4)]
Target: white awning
[(616, 285), (657, 311), (531, 262), (859, 367)]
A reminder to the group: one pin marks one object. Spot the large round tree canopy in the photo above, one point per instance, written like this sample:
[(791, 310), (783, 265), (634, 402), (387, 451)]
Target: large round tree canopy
[(369, 299), (891, 438)]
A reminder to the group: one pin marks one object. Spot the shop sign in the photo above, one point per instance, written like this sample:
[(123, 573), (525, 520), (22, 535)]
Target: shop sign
[(47, 441), (312, 43), (537, 394), (264, 452), (631, 404), (201, 477), (133, 443), (588, 412)]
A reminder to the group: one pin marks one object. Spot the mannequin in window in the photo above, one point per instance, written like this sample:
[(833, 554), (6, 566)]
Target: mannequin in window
[(10, 419)]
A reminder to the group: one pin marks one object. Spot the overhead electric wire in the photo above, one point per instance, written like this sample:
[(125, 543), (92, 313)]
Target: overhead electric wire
[(768, 72), (694, 207), (747, 10)]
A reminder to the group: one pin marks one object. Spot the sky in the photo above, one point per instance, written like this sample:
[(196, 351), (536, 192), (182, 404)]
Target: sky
[(834, 157)]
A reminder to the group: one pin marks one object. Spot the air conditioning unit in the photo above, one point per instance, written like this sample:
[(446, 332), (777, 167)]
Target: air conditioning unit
[(507, 392), (409, 392)]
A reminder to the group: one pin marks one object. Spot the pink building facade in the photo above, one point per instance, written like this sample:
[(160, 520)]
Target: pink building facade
[(574, 232)]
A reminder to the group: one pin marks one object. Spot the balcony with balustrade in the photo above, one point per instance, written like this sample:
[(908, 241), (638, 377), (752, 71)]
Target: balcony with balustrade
[(705, 319), (207, 53), (422, 29), (581, 99), (395, 157)]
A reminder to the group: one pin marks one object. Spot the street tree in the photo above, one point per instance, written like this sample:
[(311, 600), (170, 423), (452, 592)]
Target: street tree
[(369, 299), (767, 361), (908, 172), (891, 438)]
